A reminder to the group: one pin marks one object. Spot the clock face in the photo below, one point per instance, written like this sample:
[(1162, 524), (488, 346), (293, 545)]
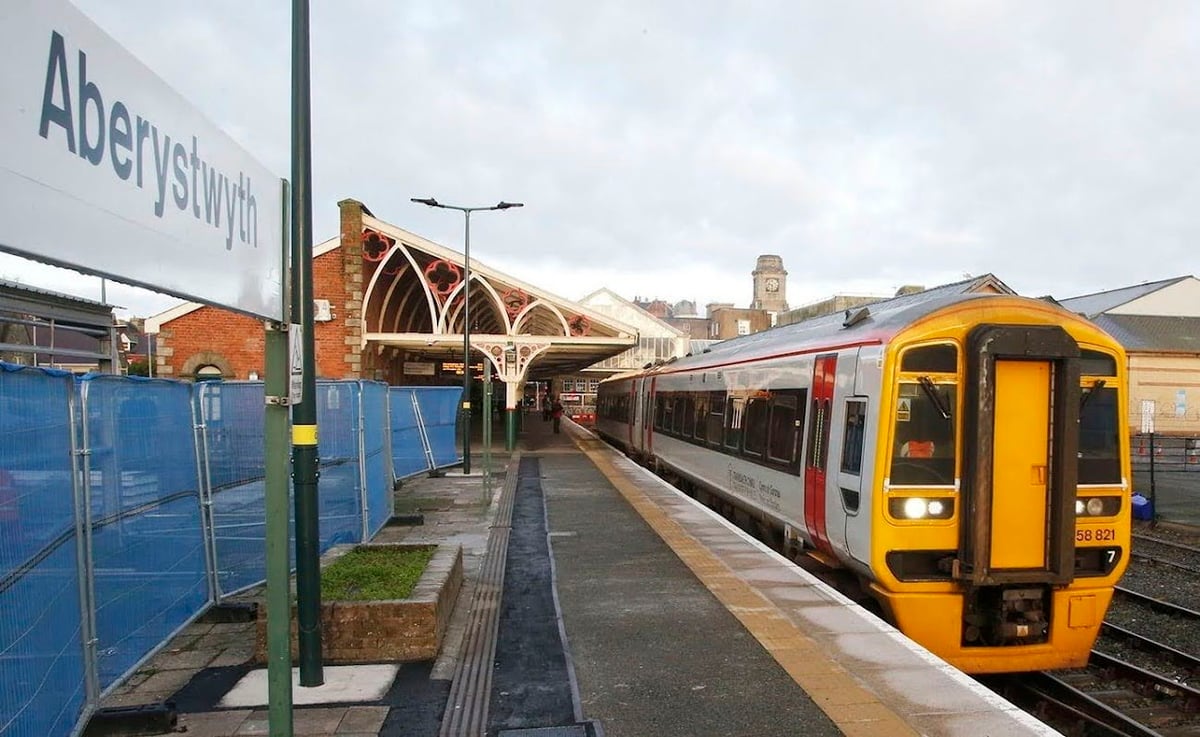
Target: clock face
[(772, 285)]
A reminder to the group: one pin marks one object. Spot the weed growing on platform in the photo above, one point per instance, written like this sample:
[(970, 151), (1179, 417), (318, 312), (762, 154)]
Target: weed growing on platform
[(374, 573)]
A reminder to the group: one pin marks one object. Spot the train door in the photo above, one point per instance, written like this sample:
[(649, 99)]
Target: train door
[(648, 416), (1021, 452), (634, 417), (1022, 434), (824, 368)]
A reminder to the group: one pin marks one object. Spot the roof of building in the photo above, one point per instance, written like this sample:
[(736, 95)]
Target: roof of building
[(17, 287), (1165, 333), (1101, 302)]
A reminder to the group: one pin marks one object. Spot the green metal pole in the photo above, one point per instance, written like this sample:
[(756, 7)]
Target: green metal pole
[(466, 397), (510, 428), (279, 595), (487, 429), (305, 462)]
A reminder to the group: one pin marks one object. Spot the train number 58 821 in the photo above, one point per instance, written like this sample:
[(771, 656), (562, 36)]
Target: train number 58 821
[(1095, 534)]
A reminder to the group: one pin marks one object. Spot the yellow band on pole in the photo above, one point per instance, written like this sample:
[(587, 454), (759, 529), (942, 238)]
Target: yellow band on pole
[(304, 434)]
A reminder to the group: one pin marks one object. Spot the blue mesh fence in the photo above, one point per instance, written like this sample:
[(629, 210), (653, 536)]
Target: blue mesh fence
[(337, 443), (149, 565), (233, 414), (42, 667), (408, 450), (375, 455), (439, 410)]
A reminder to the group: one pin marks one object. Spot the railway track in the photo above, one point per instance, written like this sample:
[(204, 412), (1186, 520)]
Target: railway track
[(1159, 551)]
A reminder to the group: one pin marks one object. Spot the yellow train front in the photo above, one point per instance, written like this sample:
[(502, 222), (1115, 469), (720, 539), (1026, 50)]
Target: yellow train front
[(1003, 467)]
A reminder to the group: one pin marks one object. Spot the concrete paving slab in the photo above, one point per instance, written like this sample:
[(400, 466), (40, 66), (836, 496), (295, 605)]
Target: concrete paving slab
[(343, 684)]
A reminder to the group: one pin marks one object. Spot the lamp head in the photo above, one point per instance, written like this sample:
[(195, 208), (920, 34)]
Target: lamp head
[(506, 205), (425, 201)]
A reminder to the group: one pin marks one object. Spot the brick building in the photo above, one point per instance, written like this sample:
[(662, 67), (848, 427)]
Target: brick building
[(390, 305)]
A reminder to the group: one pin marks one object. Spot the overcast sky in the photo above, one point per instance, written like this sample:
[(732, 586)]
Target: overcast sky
[(660, 147)]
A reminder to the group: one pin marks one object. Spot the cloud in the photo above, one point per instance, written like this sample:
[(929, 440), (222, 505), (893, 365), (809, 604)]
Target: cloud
[(661, 147)]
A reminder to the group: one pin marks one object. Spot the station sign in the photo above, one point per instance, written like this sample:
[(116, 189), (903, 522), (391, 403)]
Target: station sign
[(106, 169)]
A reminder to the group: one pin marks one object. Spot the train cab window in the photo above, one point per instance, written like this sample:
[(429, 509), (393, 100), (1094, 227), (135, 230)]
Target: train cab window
[(923, 453), (716, 417), (756, 427), (733, 422), (852, 444), (666, 412), (1095, 363), (1099, 435), (785, 423), (931, 359)]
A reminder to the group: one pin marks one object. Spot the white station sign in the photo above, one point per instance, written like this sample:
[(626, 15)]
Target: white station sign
[(106, 169)]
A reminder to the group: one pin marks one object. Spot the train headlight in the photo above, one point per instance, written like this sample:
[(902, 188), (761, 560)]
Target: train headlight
[(914, 508), (1097, 506)]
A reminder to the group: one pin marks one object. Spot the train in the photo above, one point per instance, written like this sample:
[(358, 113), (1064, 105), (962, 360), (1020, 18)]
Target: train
[(964, 457)]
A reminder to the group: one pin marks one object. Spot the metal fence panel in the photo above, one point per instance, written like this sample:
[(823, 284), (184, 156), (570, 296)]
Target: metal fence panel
[(408, 449), (149, 563), (439, 410), (42, 664), (232, 415), (378, 472), (338, 445)]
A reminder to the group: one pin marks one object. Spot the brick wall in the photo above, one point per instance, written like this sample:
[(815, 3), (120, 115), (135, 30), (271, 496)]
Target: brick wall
[(234, 343)]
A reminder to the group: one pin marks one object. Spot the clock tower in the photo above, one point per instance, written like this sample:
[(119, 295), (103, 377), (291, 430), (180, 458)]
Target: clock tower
[(770, 285)]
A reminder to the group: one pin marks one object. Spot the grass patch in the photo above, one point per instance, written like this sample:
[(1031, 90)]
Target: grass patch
[(374, 573)]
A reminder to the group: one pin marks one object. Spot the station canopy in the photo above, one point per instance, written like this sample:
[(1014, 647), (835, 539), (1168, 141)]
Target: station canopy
[(414, 300)]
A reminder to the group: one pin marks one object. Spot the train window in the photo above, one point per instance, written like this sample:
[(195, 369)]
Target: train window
[(756, 427), (701, 411), (688, 416), (785, 411), (1095, 363), (716, 416), (680, 412), (924, 443), (666, 409), (852, 444), (931, 359), (733, 423), (1099, 436)]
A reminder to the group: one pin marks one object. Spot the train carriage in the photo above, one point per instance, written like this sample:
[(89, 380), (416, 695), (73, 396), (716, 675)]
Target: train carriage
[(963, 455)]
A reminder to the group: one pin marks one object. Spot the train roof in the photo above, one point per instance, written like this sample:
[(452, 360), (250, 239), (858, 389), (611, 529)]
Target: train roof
[(873, 323)]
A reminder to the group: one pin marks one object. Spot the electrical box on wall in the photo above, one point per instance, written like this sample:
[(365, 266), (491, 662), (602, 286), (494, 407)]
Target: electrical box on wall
[(322, 310)]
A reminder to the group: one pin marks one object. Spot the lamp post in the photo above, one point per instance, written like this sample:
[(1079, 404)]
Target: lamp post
[(466, 399)]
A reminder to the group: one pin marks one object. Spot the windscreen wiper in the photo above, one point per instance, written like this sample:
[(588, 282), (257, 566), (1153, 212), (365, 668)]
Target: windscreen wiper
[(1097, 385), (939, 403)]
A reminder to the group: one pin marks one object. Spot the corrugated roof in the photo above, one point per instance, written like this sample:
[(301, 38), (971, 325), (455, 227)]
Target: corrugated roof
[(19, 287), (1101, 302), (1153, 332)]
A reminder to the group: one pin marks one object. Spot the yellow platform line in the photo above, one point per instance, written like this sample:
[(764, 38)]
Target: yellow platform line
[(854, 709)]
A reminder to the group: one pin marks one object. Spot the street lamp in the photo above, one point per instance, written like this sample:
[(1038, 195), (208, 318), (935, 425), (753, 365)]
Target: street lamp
[(466, 399)]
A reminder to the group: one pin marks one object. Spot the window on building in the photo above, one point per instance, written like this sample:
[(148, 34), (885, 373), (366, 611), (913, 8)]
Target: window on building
[(593, 385), (208, 373), (743, 327)]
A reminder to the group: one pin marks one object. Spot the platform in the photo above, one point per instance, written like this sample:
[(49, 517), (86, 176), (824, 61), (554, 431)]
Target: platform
[(601, 601)]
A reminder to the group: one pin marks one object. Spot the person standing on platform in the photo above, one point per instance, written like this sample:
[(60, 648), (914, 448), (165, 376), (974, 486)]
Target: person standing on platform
[(547, 403), (556, 410)]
